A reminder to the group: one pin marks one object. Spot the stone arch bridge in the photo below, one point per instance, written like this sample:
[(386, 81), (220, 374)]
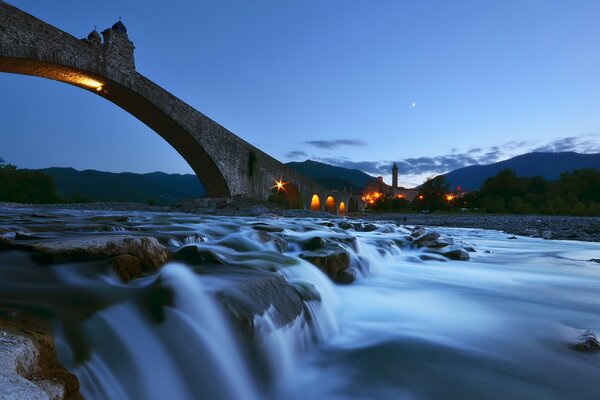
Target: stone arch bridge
[(104, 65)]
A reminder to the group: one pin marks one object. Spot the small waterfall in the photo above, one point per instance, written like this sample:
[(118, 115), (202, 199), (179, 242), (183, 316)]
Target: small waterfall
[(191, 354)]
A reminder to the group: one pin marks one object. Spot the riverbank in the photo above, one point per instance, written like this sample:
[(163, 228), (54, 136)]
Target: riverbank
[(544, 226), (558, 227)]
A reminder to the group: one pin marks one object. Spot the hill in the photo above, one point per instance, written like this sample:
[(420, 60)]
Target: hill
[(157, 187), (330, 176), (547, 165)]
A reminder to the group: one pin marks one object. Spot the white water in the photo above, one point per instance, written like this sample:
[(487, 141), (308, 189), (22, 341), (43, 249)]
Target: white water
[(499, 326)]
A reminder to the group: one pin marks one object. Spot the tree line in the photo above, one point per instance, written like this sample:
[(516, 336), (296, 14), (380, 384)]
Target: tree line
[(574, 193), (27, 186)]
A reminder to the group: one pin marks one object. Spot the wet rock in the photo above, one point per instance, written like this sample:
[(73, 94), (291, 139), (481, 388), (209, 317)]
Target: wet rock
[(345, 277), (280, 244), (547, 234), (432, 257), (128, 267), (470, 249), (596, 260), (89, 248), (29, 369), (456, 254), (512, 237), (331, 261), (306, 291), (313, 243), (369, 228), (267, 228), (347, 240), (344, 225), (26, 236), (255, 296), (194, 255), (587, 343)]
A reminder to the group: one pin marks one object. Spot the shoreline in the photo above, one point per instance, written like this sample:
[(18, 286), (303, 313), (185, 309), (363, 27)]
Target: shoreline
[(557, 227)]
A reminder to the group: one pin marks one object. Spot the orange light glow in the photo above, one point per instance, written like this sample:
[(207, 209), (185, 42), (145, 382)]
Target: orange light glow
[(88, 82), (421, 197), (449, 197), (342, 209), (315, 203), (330, 204), (400, 196), (279, 184)]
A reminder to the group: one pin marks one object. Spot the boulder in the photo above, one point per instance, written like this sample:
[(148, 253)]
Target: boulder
[(194, 255), (148, 250), (280, 244), (587, 342), (313, 243), (256, 295), (29, 369), (456, 254), (345, 277), (331, 261)]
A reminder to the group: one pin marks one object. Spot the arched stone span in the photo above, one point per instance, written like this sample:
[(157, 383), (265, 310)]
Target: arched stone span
[(226, 164)]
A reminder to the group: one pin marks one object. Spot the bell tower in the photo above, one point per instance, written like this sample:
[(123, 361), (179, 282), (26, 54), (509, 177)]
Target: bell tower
[(394, 177)]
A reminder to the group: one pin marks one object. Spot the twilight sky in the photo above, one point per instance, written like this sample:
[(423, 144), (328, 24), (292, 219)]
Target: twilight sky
[(433, 85)]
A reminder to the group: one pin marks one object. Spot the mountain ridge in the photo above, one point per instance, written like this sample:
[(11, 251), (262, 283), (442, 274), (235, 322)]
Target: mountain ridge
[(153, 187), (547, 165)]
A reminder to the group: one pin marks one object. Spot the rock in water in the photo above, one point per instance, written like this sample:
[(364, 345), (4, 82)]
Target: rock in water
[(588, 342), (333, 262), (29, 369), (150, 253)]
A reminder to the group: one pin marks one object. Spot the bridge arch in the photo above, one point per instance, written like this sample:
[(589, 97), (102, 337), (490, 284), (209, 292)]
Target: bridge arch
[(105, 66)]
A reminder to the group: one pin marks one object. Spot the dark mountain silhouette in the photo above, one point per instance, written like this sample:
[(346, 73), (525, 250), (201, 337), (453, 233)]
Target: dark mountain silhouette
[(330, 176), (157, 187), (547, 165)]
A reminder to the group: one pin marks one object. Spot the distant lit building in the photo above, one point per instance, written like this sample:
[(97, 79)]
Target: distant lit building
[(379, 188)]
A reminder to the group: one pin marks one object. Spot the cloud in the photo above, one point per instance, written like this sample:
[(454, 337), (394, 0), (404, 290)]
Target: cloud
[(332, 144), (370, 167), (440, 164), (296, 154), (588, 143)]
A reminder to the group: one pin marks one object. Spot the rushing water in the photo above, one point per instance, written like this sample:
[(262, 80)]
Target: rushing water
[(499, 326)]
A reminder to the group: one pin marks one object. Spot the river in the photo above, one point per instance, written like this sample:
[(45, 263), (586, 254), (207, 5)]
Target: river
[(501, 325)]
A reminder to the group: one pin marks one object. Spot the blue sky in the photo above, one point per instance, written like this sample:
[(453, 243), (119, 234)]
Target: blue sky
[(433, 85)]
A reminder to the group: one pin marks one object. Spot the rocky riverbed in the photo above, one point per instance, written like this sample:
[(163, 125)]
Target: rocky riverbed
[(542, 226), (538, 226)]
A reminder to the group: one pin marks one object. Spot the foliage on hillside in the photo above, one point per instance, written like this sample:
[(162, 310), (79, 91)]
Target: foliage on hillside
[(575, 193), (23, 186)]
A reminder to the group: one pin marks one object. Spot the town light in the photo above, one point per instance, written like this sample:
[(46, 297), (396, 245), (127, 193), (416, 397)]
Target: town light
[(449, 197)]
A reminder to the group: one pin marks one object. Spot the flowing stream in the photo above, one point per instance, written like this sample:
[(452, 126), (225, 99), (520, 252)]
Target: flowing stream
[(501, 325)]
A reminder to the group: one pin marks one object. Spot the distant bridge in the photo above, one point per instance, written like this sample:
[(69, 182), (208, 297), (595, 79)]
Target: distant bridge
[(104, 65)]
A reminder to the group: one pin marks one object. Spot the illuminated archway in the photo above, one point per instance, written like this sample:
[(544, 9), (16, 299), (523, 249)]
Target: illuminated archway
[(315, 203), (330, 205), (342, 208), (286, 194)]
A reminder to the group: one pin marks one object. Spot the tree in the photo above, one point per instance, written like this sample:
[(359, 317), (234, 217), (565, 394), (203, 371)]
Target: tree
[(432, 193)]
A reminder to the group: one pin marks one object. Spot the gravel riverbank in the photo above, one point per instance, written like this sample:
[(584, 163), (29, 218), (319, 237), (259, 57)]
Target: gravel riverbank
[(545, 226)]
